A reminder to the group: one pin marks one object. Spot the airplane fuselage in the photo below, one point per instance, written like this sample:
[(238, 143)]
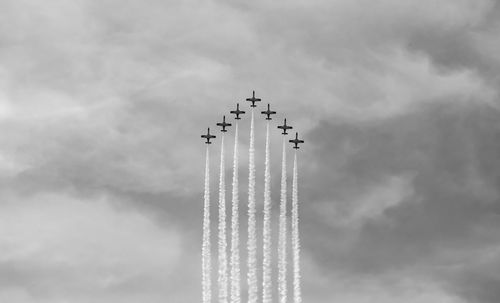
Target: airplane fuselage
[(208, 136), (284, 127), (223, 124), (253, 100), (237, 112), (296, 141)]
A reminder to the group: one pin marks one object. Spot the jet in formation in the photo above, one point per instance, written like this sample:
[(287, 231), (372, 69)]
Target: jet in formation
[(296, 141), (223, 124), (268, 112), (253, 100), (284, 127), (237, 112), (208, 136)]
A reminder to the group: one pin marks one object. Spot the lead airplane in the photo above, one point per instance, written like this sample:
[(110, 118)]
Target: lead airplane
[(284, 127), (208, 136), (253, 100), (223, 124), (268, 112), (296, 141), (237, 112)]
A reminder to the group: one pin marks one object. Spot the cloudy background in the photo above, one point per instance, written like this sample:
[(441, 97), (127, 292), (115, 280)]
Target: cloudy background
[(101, 164)]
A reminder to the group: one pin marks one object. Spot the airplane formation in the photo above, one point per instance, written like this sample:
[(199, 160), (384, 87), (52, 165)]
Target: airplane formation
[(267, 113)]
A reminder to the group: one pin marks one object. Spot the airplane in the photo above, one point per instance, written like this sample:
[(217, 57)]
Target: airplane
[(208, 136), (284, 127), (253, 100), (223, 124), (296, 141), (237, 112), (268, 112)]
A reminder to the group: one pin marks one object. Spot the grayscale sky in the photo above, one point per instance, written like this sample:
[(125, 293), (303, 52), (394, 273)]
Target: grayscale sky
[(101, 165)]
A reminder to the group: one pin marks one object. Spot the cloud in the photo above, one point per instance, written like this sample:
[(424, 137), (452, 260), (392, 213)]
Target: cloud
[(56, 246), (368, 288), (443, 219), (101, 106)]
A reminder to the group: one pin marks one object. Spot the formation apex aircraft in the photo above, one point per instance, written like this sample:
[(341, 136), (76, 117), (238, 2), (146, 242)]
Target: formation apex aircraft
[(253, 100)]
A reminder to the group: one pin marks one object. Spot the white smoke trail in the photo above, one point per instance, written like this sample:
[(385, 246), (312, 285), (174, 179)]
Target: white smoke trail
[(235, 228), (251, 244), (297, 295), (266, 268), (205, 259), (222, 281), (282, 284)]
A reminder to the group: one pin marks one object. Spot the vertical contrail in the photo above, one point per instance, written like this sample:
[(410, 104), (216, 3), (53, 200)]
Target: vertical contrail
[(205, 259), (235, 228), (222, 281), (266, 268), (251, 244), (297, 296), (282, 284)]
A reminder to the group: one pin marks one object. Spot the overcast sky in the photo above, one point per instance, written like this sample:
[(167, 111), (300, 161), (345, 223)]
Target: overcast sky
[(102, 104)]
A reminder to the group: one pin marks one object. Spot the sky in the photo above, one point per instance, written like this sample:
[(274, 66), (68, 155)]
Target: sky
[(101, 165)]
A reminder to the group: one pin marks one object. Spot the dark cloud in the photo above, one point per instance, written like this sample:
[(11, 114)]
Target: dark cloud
[(477, 286), (448, 149), (469, 47)]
